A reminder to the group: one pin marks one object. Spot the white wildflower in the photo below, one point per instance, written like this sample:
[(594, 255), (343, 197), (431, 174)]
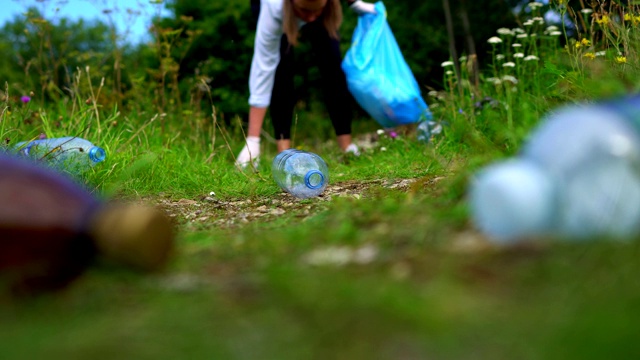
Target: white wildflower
[(528, 22), (380, 132), (534, 5), (494, 80), (516, 45), (521, 36), (530, 58), (510, 78), (509, 64), (601, 53), (551, 28), (538, 19), (499, 57), (494, 40), (384, 148), (449, 72), (586, 11), (518, 55), (505, 31), (555, 33), (462, 58), (518, 30), (447, 63)]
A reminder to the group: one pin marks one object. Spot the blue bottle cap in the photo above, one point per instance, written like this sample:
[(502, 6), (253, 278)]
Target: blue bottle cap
[(314, 179), (97, 154)]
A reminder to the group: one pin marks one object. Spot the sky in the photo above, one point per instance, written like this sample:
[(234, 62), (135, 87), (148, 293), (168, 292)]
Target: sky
[(136, 21)]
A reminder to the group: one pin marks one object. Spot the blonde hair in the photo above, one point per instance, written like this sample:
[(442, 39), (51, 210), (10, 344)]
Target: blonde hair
[(331, 19)]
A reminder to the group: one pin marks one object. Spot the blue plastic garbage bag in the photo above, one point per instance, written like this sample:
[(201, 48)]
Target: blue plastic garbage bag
[(379, 77)]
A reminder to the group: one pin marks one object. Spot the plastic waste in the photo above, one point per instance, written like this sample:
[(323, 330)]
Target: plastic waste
[(378, 76), (426, 129), (300, 173), (72, 154), (577, 177), (51, 229)]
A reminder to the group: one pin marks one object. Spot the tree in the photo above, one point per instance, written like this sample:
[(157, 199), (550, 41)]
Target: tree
[(41, 56), (221, 50)]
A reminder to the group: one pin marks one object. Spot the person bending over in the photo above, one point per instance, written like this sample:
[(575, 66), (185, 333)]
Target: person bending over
[(271, 78)]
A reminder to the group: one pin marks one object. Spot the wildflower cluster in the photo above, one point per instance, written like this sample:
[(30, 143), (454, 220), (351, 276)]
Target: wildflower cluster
[(610, 33), (604, 38), (516, 51), (633, 18)]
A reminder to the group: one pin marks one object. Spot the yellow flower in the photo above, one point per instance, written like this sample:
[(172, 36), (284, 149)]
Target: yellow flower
[(621, 59), (585, 42), (578, 45), (627, 17), (604, 20), (636, 20), (589, 55)]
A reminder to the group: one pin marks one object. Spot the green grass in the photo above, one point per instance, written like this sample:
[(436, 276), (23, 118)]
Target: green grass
[(246, 292)]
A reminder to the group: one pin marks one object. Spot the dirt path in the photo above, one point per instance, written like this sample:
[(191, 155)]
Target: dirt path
[(209, 210)]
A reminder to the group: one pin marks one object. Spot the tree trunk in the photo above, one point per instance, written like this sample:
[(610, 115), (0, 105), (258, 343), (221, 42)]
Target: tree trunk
[(452, 43), (472, 58)]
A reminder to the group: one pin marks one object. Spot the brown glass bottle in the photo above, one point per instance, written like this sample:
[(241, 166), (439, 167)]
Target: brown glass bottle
[(51, 228)]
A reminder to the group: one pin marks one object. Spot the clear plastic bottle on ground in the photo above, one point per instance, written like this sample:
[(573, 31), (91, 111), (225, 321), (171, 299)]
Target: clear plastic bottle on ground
[(300, 173), (72, 154), (426, 129), (577, 177)]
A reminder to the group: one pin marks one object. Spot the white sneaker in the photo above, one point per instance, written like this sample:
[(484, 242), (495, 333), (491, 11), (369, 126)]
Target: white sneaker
[(250, 153), (353, 149)]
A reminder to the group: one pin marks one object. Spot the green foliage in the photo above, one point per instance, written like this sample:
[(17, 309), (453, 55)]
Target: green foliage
[(220, 52), (46, 54)]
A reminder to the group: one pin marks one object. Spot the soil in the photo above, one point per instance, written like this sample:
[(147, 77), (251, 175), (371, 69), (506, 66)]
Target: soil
[(209, 210)]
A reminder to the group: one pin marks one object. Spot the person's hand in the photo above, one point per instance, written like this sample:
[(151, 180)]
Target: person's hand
[(361, 7)]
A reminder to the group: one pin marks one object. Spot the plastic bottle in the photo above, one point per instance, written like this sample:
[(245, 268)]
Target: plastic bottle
[(51, 229), (577, 177), (300, 173), (72, 154), (426, 129)]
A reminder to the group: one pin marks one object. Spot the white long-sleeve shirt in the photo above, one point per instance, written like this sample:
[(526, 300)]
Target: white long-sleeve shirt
[(266, 52)]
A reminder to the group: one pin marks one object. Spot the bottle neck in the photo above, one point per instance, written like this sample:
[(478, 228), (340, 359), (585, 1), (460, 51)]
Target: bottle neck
[(97, 154), (314, 179)]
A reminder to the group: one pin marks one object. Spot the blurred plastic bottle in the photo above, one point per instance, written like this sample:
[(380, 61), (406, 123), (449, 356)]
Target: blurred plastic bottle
[(51, 229), (577, 177), (426, 129), (300, 173), (72, 154)]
